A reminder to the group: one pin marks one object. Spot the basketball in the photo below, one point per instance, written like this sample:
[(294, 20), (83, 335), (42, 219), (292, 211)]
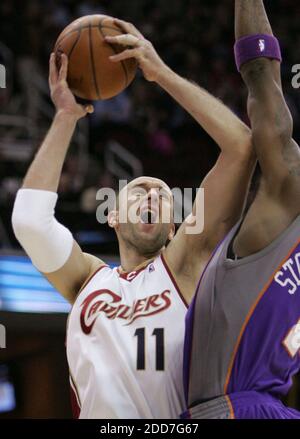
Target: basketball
[(91, 75)]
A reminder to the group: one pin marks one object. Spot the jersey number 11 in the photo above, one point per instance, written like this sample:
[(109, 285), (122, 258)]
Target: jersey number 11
[(158, 333)]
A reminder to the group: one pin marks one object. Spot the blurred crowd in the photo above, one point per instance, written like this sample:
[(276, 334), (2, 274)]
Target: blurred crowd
[(195, 38)]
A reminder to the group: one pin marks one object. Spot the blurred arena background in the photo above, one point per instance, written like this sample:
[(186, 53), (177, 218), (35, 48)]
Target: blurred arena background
[(142, 131)]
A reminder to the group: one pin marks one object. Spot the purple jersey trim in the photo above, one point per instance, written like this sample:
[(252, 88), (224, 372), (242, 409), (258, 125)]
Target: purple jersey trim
[(272, 292)]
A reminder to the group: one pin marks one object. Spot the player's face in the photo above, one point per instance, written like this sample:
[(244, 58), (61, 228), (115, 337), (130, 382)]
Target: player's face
[(147, 206)]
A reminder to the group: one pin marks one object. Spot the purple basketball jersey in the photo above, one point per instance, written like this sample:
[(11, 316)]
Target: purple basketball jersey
[(243, 327)]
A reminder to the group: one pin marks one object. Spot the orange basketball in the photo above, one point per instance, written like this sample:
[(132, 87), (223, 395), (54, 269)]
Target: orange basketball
[(91, 75)]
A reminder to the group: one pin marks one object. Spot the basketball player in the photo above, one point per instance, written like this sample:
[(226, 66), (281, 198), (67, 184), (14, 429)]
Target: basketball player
[(242, 343), (126, 328)]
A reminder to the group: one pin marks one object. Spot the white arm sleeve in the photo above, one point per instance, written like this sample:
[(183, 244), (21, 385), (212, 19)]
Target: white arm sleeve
[(47, 242)]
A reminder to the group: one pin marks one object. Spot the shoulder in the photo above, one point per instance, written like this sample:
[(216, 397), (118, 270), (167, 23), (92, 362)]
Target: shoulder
[(186, 251), (95, 265), (94, 262)]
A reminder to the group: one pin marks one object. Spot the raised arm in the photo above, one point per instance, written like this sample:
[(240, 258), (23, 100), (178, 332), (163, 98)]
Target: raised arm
[(226, 186), (278, 200), (49, 244)]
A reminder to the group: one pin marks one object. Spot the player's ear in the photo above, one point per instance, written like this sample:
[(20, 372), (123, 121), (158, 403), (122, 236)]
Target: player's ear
[(171, 232), (113, 219)]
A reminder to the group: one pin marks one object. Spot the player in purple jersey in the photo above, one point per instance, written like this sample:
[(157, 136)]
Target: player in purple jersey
[(242, 344)]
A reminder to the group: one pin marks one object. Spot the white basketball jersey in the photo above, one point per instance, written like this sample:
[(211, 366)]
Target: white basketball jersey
[(125, 344)]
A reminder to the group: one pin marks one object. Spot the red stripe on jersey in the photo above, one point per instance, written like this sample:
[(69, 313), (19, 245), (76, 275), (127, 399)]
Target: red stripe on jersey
[(89, 278), (74, 404), (173, 280)]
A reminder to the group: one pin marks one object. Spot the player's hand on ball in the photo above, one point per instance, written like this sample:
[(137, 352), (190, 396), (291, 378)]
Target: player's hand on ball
[(139, 48), (61, 95)]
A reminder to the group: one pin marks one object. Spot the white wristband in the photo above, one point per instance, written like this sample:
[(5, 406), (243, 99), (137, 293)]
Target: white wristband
[(47, 242)]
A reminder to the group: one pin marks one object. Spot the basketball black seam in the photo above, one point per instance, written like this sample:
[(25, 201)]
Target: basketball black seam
[(92, 61), (73, 47), (100, 27), (85, 27)]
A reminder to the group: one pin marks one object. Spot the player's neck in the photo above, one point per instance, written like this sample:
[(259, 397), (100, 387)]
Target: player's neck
[(136, 267), (132, 261)]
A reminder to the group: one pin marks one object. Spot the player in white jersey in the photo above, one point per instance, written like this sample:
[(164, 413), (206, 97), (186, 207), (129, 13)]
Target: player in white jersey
[(126, 328), (130, 328)]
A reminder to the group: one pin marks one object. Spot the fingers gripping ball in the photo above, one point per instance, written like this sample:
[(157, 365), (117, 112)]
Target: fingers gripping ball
[(91, 74)]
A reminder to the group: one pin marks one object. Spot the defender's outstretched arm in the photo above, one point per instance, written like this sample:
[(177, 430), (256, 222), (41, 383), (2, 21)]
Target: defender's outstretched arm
[(277, 202), (271, 121)]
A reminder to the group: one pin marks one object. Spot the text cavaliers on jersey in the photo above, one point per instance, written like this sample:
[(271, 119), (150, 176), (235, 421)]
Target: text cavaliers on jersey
[(94, 305), (125, 344)]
